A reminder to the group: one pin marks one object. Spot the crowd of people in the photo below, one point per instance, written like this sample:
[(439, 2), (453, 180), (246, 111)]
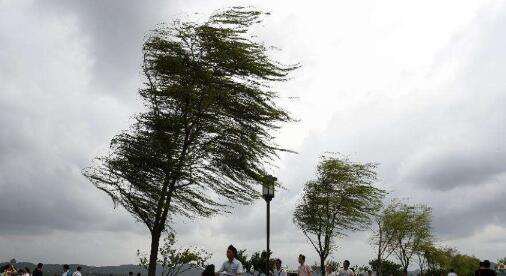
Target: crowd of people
[(11, 270), (232, 266)]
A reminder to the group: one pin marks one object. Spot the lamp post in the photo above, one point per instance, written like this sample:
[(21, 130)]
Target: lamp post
[(268, 195)]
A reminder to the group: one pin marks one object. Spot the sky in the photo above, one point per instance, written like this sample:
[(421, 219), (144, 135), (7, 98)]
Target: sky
[(416, 86)]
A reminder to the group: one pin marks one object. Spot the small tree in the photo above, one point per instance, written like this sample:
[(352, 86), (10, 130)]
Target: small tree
[(205, 138), (243, 258), (410, 225), (175, 261), (463, 264), (383, 237), (342, 198), (389, 267)]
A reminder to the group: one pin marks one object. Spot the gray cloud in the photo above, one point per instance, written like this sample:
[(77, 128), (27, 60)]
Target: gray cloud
[(67, 85), (444, 171)]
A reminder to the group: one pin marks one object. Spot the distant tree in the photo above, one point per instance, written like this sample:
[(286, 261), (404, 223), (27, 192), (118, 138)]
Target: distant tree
[(342, 198), (389, 267), (411, 225), (383, 237), (464, 264), (205, 138), (434, 258), (176, 261), (502, 261)]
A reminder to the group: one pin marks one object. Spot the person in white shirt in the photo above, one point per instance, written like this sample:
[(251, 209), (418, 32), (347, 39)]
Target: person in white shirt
[(77, 272), (304, 269), (452, 273), (232, 266), (278, 270), (346, 271)]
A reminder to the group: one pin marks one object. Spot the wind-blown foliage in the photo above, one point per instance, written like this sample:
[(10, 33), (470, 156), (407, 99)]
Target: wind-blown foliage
[(206, 136), (175, 261), (342, 198), (410, 226), (383, 235)]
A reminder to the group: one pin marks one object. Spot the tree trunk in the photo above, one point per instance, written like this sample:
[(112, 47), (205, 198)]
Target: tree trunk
[(380, 266), (380, 244), (153, 256), (322, 266)]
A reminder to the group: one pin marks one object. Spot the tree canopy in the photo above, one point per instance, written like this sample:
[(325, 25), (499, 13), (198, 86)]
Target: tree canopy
[(340, 199), (206, 137), (410, 226)]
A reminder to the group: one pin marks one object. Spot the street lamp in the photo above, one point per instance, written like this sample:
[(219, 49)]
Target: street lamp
[(268, 195)]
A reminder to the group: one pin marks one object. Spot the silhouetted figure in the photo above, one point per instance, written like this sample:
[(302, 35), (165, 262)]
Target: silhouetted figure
[(208, 271), (8, 270), (138, 274), (452, 272), (130, 273), (38, 270), (484, 269)]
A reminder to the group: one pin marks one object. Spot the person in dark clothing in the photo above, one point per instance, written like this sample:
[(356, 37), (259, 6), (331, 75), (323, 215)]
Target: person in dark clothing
[(38, 270), (209, 271), (485, 270)]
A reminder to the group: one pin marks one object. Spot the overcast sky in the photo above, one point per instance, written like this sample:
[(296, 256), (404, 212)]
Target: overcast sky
[(417, 86)]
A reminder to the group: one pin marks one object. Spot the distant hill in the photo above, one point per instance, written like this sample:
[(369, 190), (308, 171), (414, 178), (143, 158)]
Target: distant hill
[(119, 270)]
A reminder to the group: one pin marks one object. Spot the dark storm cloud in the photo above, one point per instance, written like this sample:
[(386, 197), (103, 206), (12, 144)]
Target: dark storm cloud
[(116, 29)]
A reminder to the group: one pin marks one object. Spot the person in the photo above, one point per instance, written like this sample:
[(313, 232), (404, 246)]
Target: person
[(485, 270), (452, 272), (231, 266), (77, 272), (329, 271), (6, 270), (138, 274), (278, 270), (28, 272), (130, 273), (38, 270), (66, 270), (346, 271), (304, 269), (208, 271)]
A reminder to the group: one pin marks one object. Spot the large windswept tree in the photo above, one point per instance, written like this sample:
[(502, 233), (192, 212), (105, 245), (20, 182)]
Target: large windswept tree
[(342, 198), (205, 137)]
